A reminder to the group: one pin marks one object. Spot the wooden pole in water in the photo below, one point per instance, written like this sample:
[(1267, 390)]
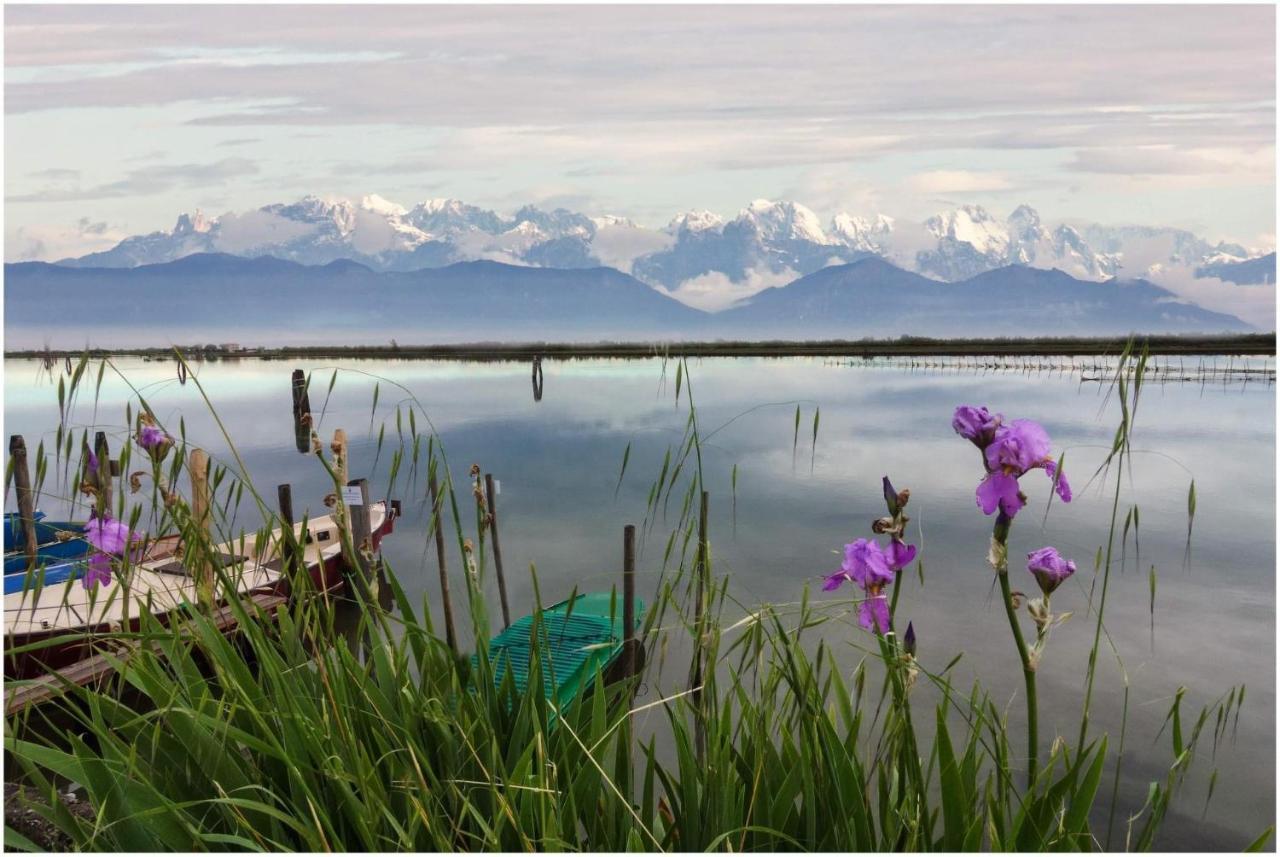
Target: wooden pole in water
[(497, 549), (285, 495), (288, 541), (198, 462), (26, 498), (103, 453), (361, 530), (629, 598), (436, 524)]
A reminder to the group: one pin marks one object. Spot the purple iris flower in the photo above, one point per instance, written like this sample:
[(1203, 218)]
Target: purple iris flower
[(1050, 568), (976, 424), (867, 565), (864, 564), (900, 555), (151, 437), (108, 535), (1012, 450), (92, 468), (98, 572)]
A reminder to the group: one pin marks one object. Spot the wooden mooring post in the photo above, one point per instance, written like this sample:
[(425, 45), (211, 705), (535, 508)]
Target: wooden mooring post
[(289, 550), (357, 503), (25, 496), (102, 476), (497, 549), (201, 509), (451, 636)]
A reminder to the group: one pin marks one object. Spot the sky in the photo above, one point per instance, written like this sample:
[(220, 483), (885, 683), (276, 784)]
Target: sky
[(117, 119)]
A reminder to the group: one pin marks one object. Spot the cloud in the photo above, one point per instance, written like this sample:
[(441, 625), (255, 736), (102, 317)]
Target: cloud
[(1147, 160), (618, 246), (43, 241), (239, 141), (1254, 304), (957, 181), (240, 233), (714, 291), (148, 180), (56, 174)]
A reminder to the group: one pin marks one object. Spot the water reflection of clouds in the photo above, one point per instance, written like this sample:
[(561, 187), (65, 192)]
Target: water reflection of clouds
[(559, 461)]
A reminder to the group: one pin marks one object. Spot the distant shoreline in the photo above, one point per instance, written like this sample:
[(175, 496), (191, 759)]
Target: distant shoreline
[(1243, 344)]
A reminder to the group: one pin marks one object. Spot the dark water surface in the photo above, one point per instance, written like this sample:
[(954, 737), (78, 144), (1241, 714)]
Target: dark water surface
[(558, 463)]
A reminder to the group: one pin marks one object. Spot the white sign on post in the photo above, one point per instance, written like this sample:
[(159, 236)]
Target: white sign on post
[(351, 495), (497, 486)]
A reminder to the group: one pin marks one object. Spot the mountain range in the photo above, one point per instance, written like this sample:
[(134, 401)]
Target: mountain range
[(219, 297), (767, 243)]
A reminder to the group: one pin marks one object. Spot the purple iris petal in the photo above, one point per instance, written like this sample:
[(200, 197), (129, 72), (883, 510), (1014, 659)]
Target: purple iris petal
[(98, 572), (1018, 446), (835, 580), (866, 563), (108, 535), (900, 555), (92, 467), (975, 424), (999, 490), (873, 613), (1050, 568)]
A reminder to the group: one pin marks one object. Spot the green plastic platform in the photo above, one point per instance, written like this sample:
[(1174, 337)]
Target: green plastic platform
[(579, 636)]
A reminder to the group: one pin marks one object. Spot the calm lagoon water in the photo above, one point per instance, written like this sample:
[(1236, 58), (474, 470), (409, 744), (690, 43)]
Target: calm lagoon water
[(558, 462)]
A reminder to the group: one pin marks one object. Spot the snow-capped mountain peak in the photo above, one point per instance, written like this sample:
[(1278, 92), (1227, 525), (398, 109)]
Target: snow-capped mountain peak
[(188, 223), (605, 220), (699, 220), (860, 233), (784, 221), (379, 205), (972, 225), (768, 241)]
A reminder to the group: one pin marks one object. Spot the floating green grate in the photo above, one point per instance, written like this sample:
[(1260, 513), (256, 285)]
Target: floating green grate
[(578, 637)]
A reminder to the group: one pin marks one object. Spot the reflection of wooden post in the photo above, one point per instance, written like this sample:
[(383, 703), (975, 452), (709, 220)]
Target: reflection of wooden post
[(26, 499), (301, 412), (361, 530), (497, 550), (198, 461), (629, 598), (436, 518)]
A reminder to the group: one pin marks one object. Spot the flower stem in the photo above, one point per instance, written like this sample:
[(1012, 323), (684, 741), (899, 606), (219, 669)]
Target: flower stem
[(1001, 537)]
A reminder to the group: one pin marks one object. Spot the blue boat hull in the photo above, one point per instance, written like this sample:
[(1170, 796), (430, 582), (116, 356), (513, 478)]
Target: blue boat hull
[(51, 551)]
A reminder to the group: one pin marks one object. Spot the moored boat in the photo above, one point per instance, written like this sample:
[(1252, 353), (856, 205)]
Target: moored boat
[(51, 606)]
